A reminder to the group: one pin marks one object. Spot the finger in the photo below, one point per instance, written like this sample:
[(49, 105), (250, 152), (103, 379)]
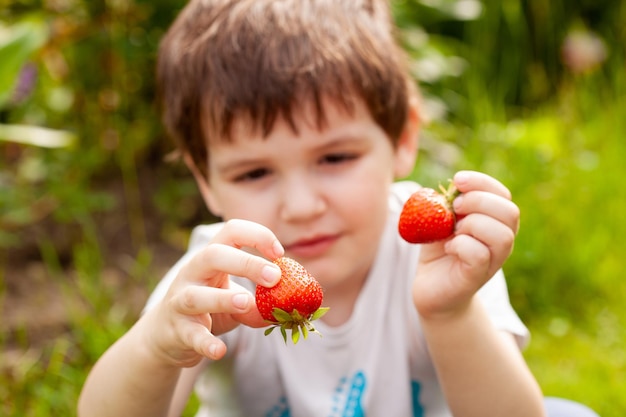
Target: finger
[(489, 204), (198, 299), (243, 233), (474, 258), (252, 317), (498, 237), (242, 310), (205, 319), (467, 181), (211, 264), (199, 338)]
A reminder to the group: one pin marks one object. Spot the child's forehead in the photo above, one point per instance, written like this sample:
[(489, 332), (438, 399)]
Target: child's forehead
[(306, 115)]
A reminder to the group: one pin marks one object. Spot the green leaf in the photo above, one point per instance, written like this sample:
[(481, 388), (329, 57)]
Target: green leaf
[(295, 334), (281, 315), (17, 44), (296, 316), (319, 313), (269, 330)]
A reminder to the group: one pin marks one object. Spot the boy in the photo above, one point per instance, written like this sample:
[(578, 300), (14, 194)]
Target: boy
[(295, 117)]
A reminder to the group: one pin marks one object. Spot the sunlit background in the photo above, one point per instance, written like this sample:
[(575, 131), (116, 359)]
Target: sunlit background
[(93, 207)]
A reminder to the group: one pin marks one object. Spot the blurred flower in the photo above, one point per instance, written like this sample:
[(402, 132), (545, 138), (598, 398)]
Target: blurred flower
[(109, 99), (583, 51), (25, 84)]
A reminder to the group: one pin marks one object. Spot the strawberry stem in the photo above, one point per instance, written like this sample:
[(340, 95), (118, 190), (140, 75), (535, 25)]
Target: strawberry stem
[(450, 193), (296, 322)]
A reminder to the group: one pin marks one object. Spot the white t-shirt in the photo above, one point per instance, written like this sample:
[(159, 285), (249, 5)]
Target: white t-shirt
[(375, 364)]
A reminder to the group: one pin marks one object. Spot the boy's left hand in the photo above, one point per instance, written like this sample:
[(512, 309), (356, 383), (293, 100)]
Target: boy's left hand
[(452, 271)]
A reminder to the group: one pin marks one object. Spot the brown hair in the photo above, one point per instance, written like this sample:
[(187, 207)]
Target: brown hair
[(223, 59)]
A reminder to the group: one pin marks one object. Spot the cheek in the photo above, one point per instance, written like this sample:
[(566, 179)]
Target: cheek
[(235, 204), (365, 193), (364, 204)]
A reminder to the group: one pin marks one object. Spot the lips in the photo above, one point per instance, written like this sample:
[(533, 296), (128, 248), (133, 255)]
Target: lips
[(311, 247)]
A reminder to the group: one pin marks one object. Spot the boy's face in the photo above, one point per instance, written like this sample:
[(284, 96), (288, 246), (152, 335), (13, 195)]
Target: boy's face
[(322, 192)]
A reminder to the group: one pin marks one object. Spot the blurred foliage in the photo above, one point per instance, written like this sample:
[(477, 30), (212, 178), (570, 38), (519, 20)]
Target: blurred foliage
[(531, 92), (93, 78)]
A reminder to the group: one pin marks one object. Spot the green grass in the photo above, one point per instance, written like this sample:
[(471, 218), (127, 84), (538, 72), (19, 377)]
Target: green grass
[(586, 363)]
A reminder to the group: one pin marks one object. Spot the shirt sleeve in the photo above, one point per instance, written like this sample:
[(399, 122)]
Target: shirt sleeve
[(495, 297)]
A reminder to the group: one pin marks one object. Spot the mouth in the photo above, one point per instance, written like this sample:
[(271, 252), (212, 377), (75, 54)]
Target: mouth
[(311, 247)]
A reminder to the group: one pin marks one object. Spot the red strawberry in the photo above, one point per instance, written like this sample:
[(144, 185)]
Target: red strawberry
[(293, 303), (427, 215)]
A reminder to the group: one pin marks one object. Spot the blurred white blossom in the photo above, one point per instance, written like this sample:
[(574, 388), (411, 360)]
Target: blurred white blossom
[(583, 51)]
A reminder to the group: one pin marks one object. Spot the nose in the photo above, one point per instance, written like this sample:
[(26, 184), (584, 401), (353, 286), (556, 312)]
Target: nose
[(301, 199)]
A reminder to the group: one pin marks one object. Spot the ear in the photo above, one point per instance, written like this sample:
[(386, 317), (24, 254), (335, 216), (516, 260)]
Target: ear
[(203, 185), (406, 148)]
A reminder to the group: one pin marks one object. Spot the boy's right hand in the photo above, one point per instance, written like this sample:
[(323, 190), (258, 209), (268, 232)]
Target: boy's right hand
[(202, 302)]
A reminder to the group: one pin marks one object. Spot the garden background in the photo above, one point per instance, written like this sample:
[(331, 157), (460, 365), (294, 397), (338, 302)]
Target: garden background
[(93, 208)]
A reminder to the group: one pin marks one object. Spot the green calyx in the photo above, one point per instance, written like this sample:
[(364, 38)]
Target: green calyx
[(449, 193), (295, 322)]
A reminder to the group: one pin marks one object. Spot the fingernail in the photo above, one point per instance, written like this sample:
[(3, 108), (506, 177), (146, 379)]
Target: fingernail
[(213, 350), (241, 301), (278, 249), (460, 177), (270, 274)]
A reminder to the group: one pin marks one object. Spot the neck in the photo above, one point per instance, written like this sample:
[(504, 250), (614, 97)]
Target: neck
[(341, 300)]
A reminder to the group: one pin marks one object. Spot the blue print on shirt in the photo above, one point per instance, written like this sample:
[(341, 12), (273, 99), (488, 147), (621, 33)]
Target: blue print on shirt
[(347, 399), (348, 396), (280, 410), (418, 410)]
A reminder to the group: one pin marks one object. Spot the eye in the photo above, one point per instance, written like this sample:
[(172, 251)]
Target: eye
[(252, 175), (337, 158)]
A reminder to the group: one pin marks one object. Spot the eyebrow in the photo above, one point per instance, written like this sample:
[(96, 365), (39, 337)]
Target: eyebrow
[(352, 135), (238, 163)]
